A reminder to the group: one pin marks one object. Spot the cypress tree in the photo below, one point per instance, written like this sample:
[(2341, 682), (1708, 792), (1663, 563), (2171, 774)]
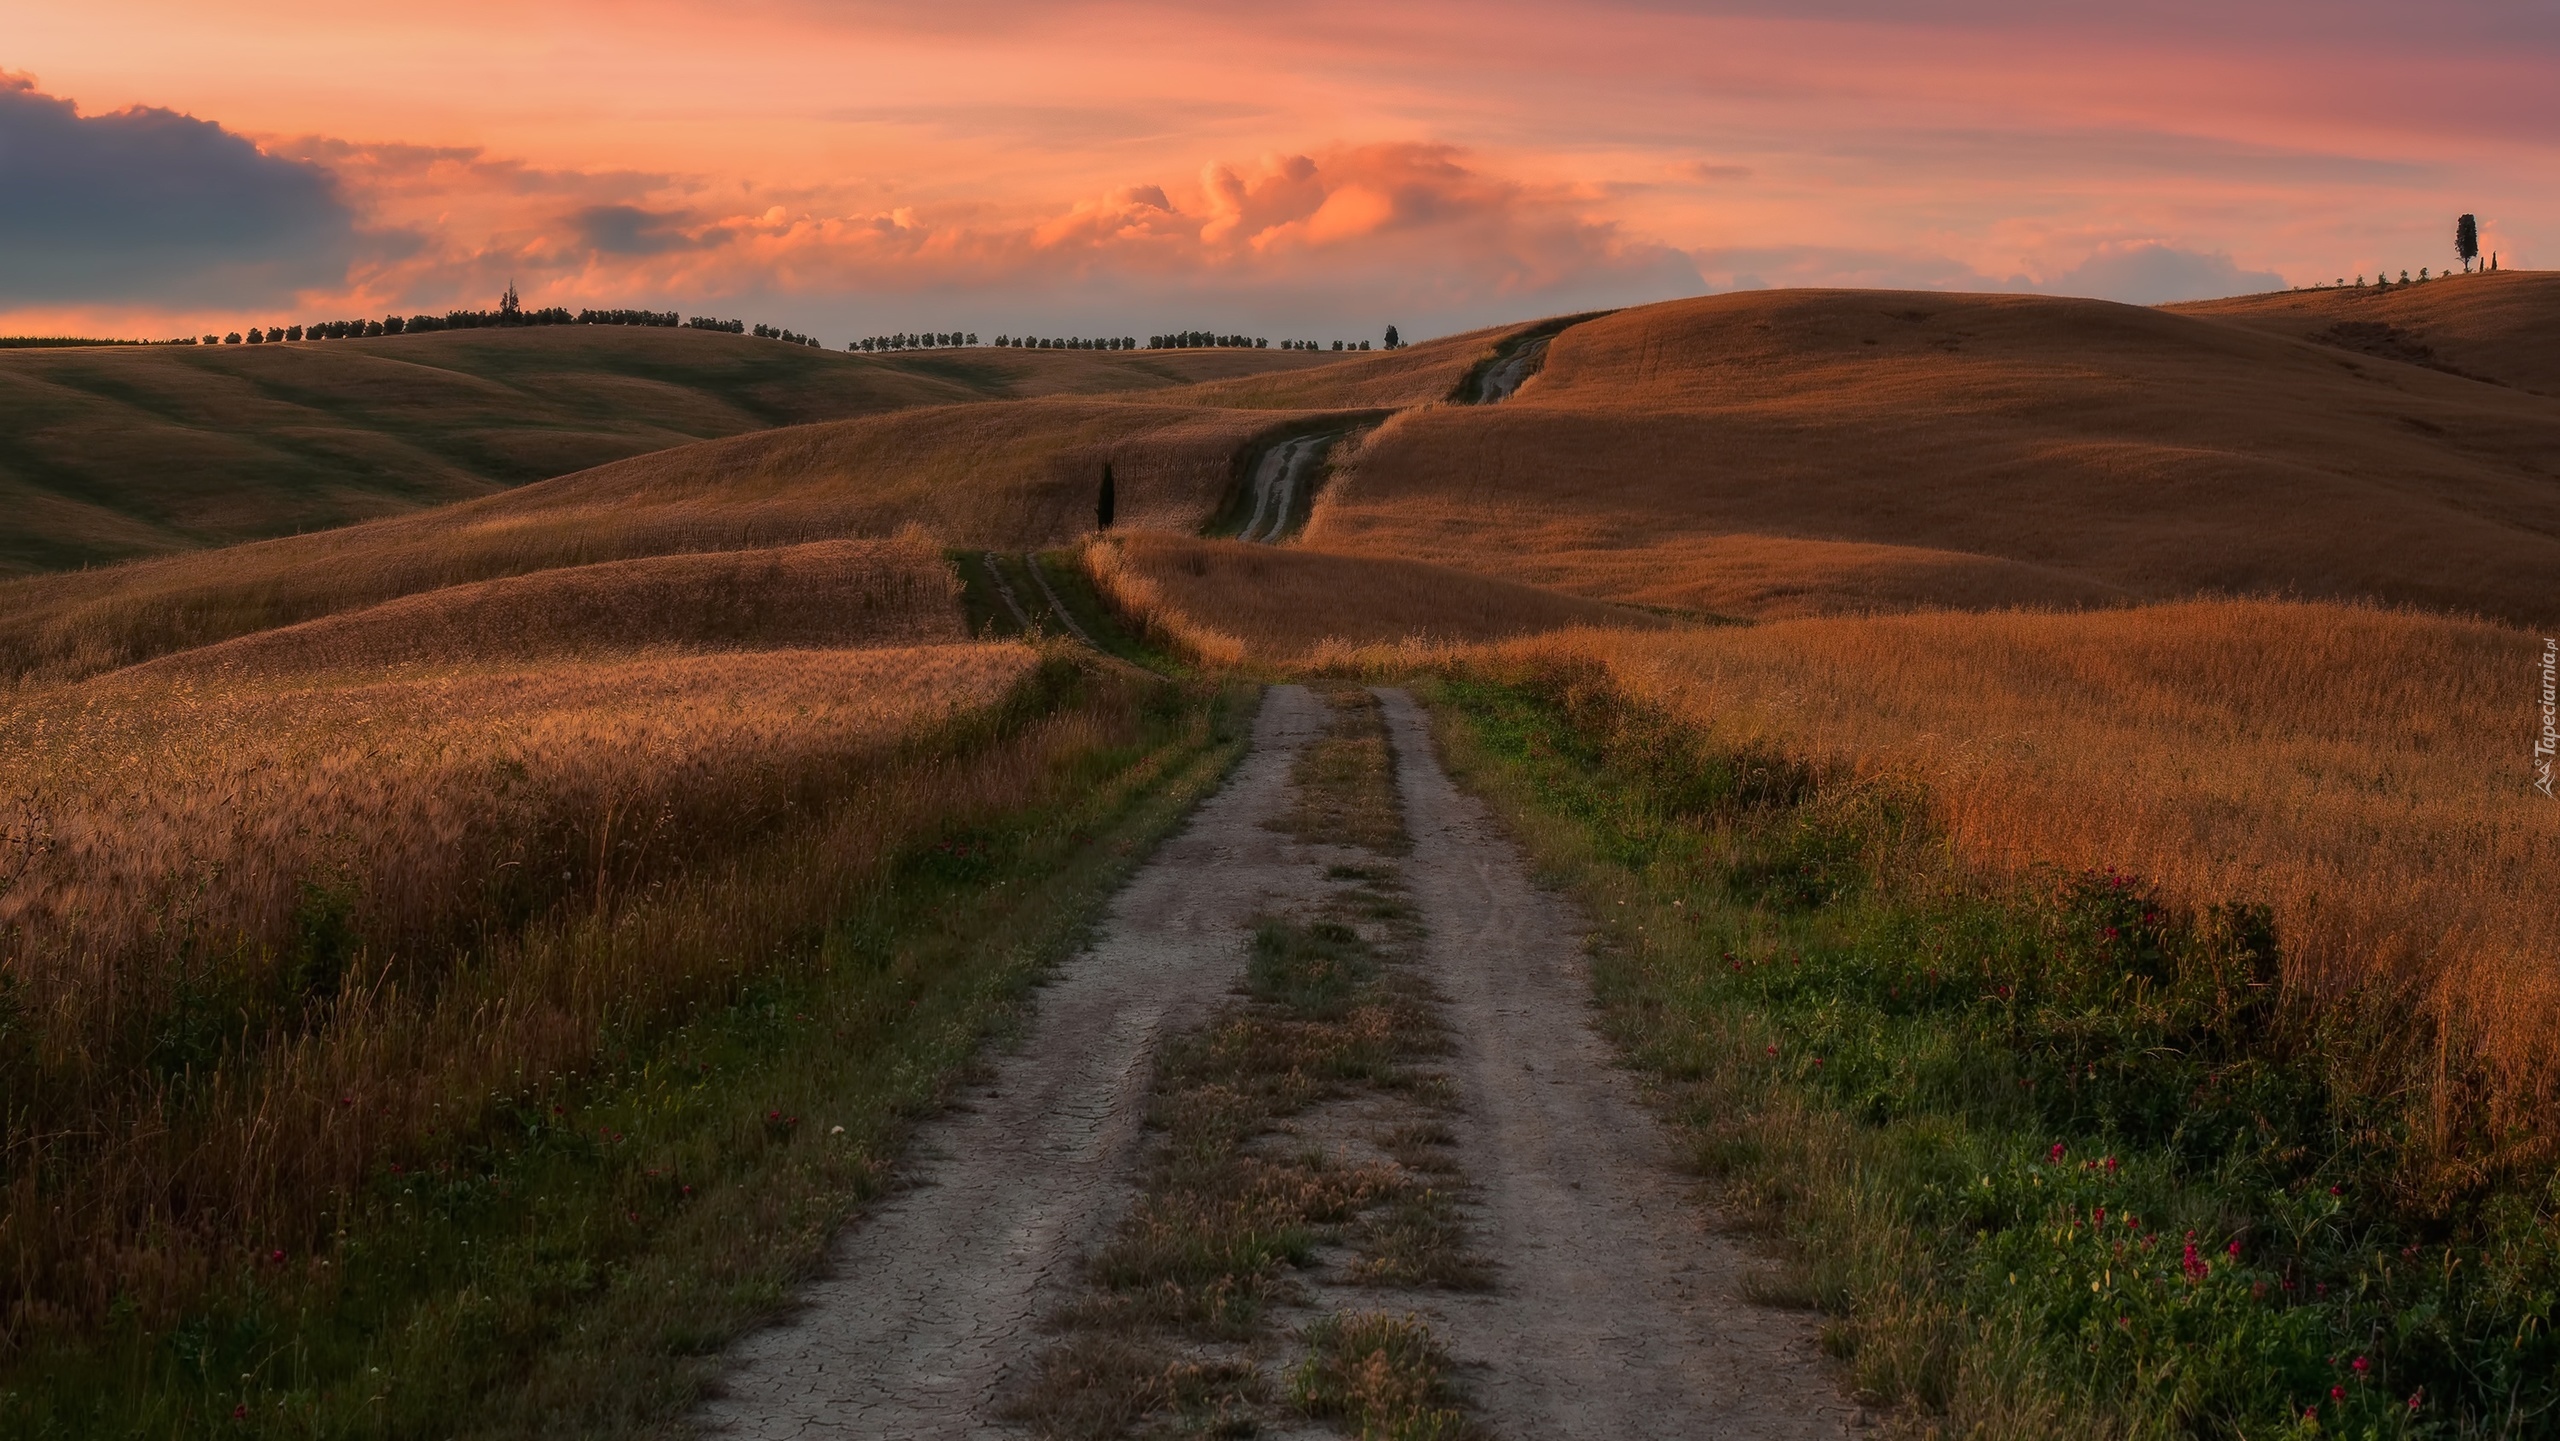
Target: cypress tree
[(2466, 241), (1105, 504)]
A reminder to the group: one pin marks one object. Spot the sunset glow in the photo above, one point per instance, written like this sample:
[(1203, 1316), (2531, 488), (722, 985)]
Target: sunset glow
[(1305, 167)]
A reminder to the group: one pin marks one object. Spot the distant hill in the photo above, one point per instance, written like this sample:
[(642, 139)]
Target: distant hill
[(1749, 456), (1801, 451), (112, 453), (1010, 475)]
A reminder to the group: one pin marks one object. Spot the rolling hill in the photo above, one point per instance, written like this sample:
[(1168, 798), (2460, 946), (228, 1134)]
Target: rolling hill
[(1011, 475), (1788, 452), (114, 453)]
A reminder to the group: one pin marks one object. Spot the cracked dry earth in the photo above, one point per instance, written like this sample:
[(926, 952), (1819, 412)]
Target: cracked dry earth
[(1601, 1303)]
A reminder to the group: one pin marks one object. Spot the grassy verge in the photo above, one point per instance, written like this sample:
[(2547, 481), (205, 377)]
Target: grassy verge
[(575, 1266), (2049, 1154)]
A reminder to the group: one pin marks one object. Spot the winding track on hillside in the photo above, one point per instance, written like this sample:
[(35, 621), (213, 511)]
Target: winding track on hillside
[(1616, 1313)]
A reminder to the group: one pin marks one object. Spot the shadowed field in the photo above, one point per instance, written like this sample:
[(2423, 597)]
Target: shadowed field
[(120, 452)]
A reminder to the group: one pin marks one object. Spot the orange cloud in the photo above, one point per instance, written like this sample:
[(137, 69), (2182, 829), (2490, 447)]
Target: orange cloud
[(1417, 229)]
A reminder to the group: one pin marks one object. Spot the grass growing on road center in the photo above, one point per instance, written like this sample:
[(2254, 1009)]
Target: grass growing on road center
[(1172, 1334)]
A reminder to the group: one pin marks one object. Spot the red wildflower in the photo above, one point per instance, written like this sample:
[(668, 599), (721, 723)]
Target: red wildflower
[(2057, 1152), (2361, 1364)]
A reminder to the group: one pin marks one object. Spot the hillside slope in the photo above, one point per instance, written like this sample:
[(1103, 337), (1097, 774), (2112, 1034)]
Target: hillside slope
[(107, 454), (2497, 327), (1806, 451), (1013, 475)]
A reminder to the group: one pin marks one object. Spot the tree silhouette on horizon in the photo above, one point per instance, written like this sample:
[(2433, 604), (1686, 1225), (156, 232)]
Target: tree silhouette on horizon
[(2466, 241)]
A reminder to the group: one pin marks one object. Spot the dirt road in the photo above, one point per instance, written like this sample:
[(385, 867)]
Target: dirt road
[(1284, 472), (1615, 1311), (930, 1297)]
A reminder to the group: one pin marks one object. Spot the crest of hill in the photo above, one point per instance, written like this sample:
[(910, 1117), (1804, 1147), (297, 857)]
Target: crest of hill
[(1785, 452), (1418, 374), (126, 451), (824, 595), (1227, 600), (2496, 326), (1012, 476)]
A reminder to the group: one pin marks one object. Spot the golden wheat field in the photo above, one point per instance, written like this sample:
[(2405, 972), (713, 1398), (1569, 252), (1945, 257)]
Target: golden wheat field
[(824, 594), (1291, 605), (457, 877), (2361, 771)]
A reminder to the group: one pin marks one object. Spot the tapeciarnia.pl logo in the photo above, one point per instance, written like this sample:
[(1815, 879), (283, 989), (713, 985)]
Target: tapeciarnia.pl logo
[(2549, 741)]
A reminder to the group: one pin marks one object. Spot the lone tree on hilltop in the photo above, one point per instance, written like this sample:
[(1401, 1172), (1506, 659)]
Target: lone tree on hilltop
[(2466, 241), (1106, 503), (1393, 340)]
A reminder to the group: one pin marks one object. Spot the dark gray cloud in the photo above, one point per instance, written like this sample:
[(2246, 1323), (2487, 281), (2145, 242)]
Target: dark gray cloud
[(152, 206), (630, 230), (2159, 274)]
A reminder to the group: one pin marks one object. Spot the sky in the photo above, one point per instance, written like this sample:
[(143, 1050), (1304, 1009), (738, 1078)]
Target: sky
[(1312, 169)]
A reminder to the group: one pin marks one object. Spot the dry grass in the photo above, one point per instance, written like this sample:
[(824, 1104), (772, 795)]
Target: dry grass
[(1345, 784), (116, 453), (233, 911), (1423, 374), (2495, 327), (827, 594), (1223, 600), (2361, 771), (1012, 476), (2027, 450)]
